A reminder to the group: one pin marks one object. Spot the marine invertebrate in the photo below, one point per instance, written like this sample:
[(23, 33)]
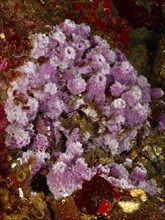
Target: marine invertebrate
[(4, 196), (76, 93), (162, 121)]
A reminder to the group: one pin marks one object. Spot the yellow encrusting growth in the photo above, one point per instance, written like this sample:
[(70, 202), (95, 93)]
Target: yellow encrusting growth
[(2, 36), (129, 206), (139, 193)]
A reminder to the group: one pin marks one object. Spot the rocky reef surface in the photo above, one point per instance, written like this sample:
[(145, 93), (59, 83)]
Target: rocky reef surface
[(82, 130)]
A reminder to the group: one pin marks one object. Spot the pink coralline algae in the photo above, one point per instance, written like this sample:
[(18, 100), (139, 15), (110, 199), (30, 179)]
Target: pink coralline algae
[(72, 75)]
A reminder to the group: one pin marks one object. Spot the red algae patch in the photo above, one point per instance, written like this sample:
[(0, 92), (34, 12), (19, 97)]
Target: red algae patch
[(92, 195)]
